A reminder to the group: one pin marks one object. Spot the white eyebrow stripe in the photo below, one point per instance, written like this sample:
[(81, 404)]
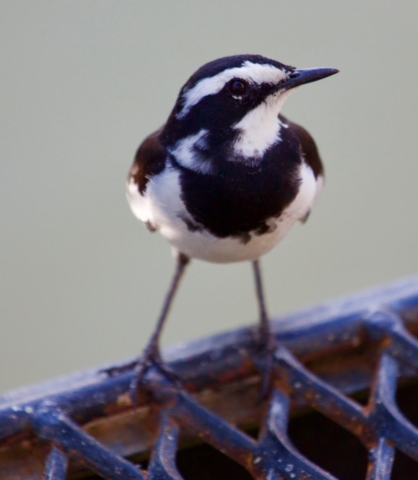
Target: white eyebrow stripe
[(252, 72)]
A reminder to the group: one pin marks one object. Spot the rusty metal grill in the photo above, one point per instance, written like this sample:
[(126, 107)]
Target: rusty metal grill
[(349, 361)]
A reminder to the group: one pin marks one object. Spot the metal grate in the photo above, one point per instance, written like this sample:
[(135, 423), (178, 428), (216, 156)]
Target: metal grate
[(85, 423)]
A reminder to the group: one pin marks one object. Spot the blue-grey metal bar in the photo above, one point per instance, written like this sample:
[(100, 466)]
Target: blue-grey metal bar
[(163, 459), (329, 326), (53, 425), (56, 465), (381, 461), (57, 417)]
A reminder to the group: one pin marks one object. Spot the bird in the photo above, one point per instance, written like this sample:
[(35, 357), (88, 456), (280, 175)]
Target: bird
[(225, 178)]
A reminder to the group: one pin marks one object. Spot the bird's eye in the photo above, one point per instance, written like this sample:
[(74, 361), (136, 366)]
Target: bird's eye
[(237, 87)]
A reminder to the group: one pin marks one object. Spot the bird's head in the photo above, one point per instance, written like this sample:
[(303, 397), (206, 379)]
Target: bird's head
[(231, 105)]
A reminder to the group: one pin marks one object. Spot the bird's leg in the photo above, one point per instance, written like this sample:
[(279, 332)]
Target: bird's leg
[(152, 353), (265, 340)]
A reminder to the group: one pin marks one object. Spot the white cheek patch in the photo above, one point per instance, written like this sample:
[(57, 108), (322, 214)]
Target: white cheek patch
[(260, 128), (186, 155), (251, 72)]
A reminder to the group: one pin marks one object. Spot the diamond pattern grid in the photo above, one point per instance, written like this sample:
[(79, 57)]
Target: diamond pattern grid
[(58, 419)]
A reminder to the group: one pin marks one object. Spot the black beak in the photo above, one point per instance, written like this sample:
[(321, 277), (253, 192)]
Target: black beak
[(307, 75)]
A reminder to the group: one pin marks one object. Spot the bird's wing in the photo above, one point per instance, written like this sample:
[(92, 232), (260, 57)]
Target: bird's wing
[(149, 161), (311, 155), (309, 148)]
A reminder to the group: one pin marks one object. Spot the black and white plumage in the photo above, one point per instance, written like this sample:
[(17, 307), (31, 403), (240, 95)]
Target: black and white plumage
[(227, 176)]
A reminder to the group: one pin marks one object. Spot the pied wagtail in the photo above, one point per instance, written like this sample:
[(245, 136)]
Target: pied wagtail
[(226, 176)]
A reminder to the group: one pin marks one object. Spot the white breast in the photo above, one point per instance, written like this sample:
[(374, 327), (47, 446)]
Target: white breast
[(163, 208)]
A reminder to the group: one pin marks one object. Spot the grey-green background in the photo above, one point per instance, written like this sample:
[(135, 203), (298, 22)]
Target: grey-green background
[(82, 82)]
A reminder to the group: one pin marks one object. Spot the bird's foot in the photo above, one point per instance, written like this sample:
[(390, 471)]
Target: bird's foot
[(119, 369), (265, 345), (150, 360)]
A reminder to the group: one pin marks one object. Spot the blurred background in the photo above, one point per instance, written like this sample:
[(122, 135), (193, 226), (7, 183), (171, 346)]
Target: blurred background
[(82, 83)]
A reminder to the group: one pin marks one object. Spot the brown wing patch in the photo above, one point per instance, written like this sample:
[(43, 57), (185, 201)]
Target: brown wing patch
[(149, 161), (309, 148)]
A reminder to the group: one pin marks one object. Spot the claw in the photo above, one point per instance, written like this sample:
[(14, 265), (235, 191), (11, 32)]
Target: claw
[(151, 360), (119, 369)]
